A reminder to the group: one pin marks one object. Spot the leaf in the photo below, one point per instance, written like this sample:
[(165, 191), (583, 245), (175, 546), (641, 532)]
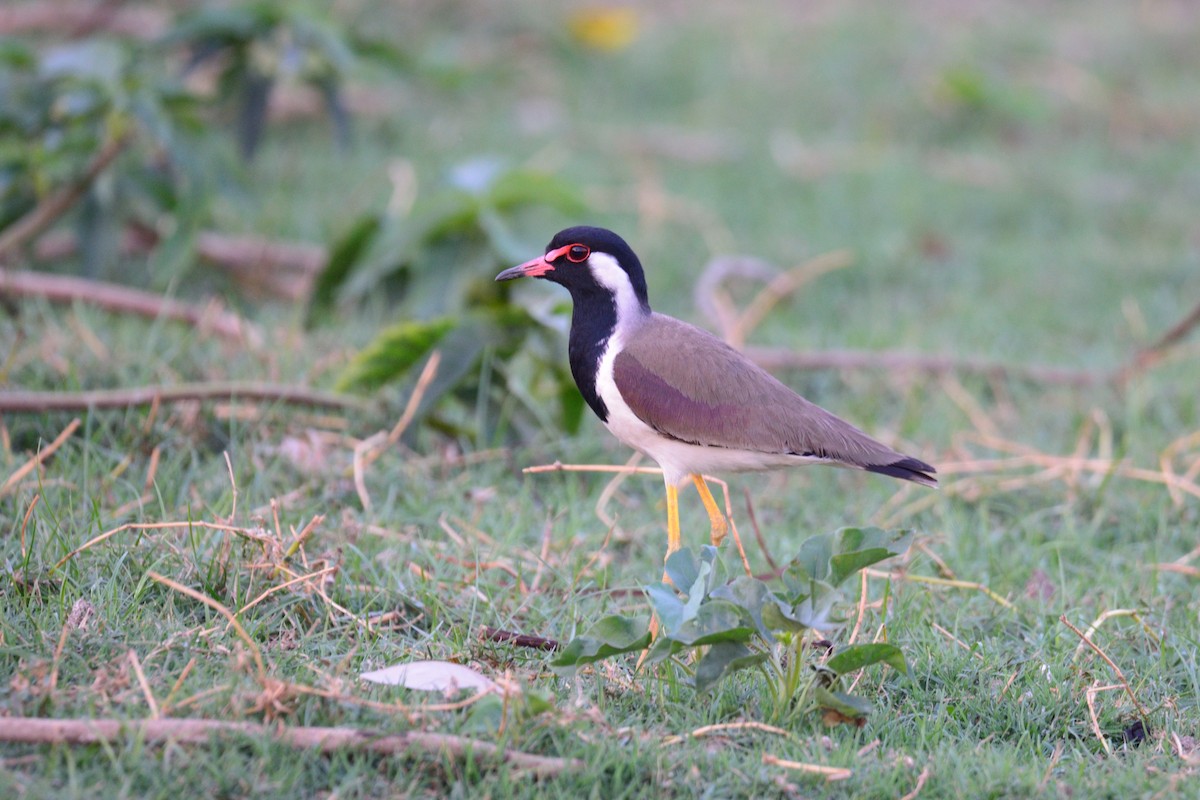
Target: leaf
[(857, 656), (780, 618), (570, 403), (858, 548), (392, 353), (252, 113), (666, 604), (715, 621), (759, 602), (811, 564), (682, 567), (610, 636), (723, 659), (431, 676), (344, 255), (815, 611), (849, 706)]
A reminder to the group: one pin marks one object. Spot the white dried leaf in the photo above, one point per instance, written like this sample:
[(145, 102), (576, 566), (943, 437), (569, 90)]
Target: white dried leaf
[(432, 676)]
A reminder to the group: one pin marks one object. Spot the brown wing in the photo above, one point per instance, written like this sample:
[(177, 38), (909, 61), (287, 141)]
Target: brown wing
[(665, 375)]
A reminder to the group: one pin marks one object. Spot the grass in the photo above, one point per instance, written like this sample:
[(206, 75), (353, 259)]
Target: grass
[(1019, 189)]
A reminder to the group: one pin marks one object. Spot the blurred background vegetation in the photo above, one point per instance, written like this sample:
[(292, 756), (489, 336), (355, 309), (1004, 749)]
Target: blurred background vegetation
[(281, 205)]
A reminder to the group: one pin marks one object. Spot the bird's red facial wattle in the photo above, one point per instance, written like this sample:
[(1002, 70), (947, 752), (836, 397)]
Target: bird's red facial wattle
[(538, 267)]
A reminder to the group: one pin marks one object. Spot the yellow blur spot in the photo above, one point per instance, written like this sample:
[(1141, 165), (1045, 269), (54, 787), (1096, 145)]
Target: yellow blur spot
[(607, 29)]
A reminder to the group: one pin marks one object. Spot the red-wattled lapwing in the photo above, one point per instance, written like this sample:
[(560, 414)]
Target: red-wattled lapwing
[(681, 395)]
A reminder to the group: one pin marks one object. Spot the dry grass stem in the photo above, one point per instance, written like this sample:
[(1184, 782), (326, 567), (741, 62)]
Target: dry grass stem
[(136, 664), (220, 609), (246, 533), (779, 287), (543, 556), (1111, 664), (1104, 617), (758, 534), (956, 640), (321, 573), (862, 608), (828, 773), (726, 727), (37, 498), (1090, 698), (934, 581), (58, 651), (924, 776), (368, 451), (17, 476), (610, 490), (187, 669)]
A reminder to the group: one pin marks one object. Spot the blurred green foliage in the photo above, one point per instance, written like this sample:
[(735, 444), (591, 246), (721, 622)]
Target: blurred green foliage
[(437, 266)]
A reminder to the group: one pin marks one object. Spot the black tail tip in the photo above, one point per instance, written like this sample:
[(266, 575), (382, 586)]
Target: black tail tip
[(908, 469)]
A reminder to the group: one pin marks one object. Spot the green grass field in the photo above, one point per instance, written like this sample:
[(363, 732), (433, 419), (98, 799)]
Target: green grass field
[(1017, 184)]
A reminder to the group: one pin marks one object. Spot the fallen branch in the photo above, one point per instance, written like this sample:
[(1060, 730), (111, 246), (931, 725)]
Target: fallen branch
[(55, 205), (278, 268), (71, 16), (123, 299), (1149, 356), (35, 402), (519, 639), (327, 740)]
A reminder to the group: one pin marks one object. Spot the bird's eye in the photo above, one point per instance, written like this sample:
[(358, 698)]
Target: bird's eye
[(578, 254)]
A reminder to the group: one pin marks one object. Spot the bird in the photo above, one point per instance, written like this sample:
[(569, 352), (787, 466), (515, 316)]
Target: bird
[(679, 394)]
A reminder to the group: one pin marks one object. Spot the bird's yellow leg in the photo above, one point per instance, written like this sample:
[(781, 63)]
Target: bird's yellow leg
[(674, 538), (719, 525), (674, 542)]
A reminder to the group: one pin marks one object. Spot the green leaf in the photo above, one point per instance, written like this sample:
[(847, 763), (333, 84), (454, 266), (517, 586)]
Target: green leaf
[(848, 705), (518, 187), (570, 403), (857, 656), (343, 257), (610, 636), (816, 610), (715, 621), (682, 567), (759, 602), (666, 604), (723, 659), (811, 564), (392, 353), (778, 617), (858, 548)]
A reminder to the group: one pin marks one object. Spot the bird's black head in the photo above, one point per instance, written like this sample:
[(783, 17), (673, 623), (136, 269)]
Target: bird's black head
[(588, 261)]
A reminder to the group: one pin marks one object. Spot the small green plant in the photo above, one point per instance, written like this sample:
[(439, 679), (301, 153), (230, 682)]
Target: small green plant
[(744, 623)]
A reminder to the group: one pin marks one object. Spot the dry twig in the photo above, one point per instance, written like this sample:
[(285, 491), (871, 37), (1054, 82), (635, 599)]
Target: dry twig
[(1112, 665), (327, 740), (55, 205), (124, 299), (828, 773), (14, 479), (41, 402)]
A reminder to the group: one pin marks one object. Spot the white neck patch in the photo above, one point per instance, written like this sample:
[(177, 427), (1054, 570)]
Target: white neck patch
[(608, 273)]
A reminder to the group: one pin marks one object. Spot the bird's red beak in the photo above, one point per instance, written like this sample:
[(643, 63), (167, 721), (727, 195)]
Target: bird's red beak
[(535, 268)]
